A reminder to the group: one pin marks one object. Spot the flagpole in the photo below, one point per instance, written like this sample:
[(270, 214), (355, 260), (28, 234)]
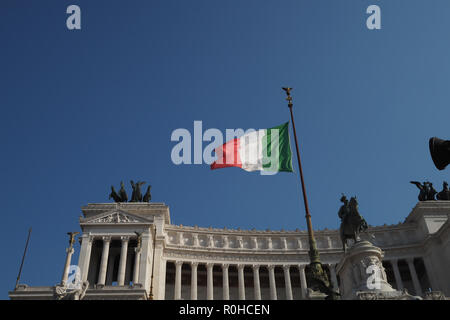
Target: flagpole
[(153, 263), (317, 273), (23, 259)]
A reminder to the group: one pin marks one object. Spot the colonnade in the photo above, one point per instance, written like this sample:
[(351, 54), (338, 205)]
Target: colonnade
[(412, 271), (102, 270), (241, 275)]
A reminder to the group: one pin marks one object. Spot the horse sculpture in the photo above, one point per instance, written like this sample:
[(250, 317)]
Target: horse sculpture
[(427, 191), (445, 193), (352, 223), (122, 193), (147, 196), (114, 195), (136, 195)]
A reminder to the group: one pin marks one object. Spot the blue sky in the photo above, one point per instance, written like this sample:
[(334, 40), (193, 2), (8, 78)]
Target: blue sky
[(82, 110)]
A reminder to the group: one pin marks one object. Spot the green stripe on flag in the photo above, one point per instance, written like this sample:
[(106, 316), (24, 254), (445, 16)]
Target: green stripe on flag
[(277, 155)]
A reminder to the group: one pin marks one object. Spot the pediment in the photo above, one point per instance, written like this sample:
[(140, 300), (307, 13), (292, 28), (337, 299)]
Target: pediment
[(115, 217)]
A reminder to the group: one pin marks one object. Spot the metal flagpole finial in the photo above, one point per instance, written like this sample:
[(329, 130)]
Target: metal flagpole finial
[(288, 93)]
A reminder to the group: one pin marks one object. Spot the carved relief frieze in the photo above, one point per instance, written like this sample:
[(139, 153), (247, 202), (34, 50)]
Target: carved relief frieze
[(116, 217)]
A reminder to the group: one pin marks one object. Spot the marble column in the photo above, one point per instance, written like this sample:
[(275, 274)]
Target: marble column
[(287, 281), (303, 283), (178, 265), (123, 260), (104, 261), (225, 283), (85, 255), (415, 279), (334, 280), (194, 266), (240, 268), (398, 278), (209, 281), (146, 245), (137, 261), (65, 275), (256, 283), (273, 288)]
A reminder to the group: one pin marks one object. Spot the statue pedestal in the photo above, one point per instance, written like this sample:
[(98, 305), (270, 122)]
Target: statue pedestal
[(315, 295), (362, 276)]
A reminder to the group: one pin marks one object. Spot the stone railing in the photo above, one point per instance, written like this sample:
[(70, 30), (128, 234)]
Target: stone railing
[(236, 239), (225, 239)]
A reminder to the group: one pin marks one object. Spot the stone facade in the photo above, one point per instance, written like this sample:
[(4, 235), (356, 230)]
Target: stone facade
[(132, 251)]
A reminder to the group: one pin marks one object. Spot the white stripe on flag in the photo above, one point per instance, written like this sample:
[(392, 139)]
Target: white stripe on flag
[(250, 150)]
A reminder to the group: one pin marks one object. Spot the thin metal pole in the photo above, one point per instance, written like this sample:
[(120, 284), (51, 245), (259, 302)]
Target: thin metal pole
[(316, 272), (23, 257), (153, 264), (314, 254)]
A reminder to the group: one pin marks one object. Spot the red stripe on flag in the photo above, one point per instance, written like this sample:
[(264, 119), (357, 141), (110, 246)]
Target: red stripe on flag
[(228, 155)]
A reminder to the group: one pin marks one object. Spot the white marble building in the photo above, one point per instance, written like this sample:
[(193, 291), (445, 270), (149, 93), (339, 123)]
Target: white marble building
[(184, 262)]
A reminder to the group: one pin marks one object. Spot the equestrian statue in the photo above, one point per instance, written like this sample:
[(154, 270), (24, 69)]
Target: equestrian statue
[(352, 223)]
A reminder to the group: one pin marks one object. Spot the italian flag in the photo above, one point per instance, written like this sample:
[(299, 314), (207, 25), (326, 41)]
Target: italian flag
[(263, 150)]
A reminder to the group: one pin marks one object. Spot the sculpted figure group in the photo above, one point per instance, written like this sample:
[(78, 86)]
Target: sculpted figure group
[(427, 191), (136, 195)]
